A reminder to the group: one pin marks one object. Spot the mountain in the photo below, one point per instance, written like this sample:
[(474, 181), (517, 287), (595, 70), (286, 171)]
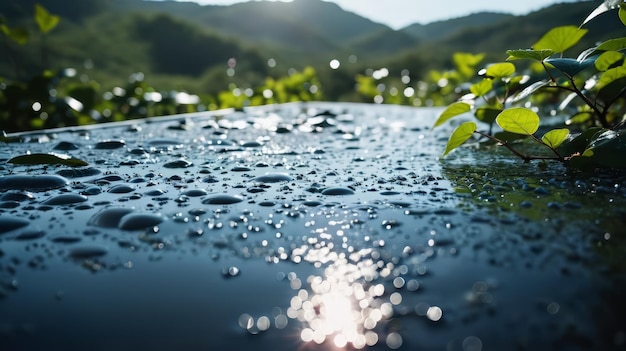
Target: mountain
[(441, 29), (183, 45)]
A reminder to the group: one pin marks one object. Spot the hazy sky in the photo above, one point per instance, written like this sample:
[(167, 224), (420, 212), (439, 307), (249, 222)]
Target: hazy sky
[(400, 13)]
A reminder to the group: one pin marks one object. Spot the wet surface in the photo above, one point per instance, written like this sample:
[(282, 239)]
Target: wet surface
[(304, 227)]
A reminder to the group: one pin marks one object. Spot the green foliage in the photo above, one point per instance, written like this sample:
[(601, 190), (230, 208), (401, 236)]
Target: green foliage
[(460, 135), (560, 39), (555, 137), (518, 120), (452, 111), (45, 20), (592, 87)]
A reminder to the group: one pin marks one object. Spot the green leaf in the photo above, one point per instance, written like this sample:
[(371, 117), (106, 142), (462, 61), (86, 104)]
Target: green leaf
[(611, 75), (529, 90), (578, 144), (616, 44), (606, 150), (518, 120), (500, 70), (579, 118), (597, 12), (560, 39), (453, 110), (571, 66), (45, 20), (487, 114), (18, 34), (538, 55), (47, 159), (608, 60), (622, 13), (460, 135), (555, 137), (482, 88)]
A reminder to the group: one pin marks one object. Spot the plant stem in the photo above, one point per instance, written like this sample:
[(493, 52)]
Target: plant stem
[(526, 158)]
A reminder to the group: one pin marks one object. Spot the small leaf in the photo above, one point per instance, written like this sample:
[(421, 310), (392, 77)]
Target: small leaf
[(608, 60), (578, 144), (598, 11), (579, 118), (482, 88), (622, 13), (18, 34), (571, 66), (616, 44), (518, 120), (453, 110), (487, 114), (47, 159), (528, 91), (538, 55), (555, 137), (611, 75), (606, 150), (45, 20), (460, 135), (500, 70), (560, 39)]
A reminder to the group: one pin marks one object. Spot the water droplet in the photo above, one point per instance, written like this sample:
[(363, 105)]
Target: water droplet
[(8, 223), (65, 239), (337, 191), (65, 199), (180, 163), (195, 192), (272, 178), (121, 189), (109, 144), (230, 272), (109, 217), (18, 196), (137, 221), (79, 172), (86, 252), (66, 146), (221, 199), (34, 183), (30, 235)]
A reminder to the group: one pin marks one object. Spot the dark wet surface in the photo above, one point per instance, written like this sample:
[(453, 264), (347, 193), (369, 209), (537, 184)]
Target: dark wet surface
[(317, 227)]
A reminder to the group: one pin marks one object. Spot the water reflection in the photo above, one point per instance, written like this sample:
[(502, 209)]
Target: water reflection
[(340, 306)]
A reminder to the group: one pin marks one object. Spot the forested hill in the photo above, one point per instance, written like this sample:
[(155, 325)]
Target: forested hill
[(168, 39)]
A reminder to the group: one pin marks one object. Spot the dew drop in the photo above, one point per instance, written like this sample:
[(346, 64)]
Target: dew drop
[(195, 192), (272, 178), (109, 217), (65, 199), (8, 223), (121, 189), (221, 199), (34, 183), (86, 252), (180, 163), (109, 145), (337, 191), (136, 221)]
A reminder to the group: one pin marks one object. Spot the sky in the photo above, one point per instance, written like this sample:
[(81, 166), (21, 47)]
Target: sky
[(401, 13)]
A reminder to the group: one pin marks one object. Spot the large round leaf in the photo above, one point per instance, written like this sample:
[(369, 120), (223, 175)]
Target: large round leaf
[(460, 135), (560, 39), (518, 120)]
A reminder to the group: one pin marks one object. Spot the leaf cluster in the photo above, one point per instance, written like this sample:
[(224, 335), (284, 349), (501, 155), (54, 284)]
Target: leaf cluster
[(591, 87)]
